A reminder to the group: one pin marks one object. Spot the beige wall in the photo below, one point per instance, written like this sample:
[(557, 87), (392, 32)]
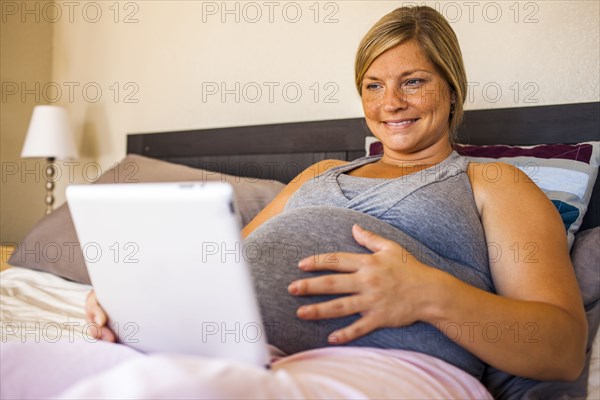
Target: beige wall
[(25, 59), (157, 63)]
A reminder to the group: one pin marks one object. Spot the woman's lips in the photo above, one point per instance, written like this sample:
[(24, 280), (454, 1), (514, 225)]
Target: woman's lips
[(401, 122)]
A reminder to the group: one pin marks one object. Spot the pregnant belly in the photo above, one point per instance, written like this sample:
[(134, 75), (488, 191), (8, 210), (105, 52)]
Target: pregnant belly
[(273, 252)]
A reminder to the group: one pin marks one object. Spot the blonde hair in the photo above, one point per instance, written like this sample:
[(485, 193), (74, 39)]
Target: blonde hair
[(437, 41)]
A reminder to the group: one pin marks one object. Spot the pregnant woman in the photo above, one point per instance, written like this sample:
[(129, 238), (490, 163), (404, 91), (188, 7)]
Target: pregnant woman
[(391, 261)]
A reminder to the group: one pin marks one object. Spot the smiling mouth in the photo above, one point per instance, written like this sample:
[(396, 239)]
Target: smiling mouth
[(401, 123)]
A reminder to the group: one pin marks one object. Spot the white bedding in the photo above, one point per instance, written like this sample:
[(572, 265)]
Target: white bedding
[(41, 307), (36, 306)]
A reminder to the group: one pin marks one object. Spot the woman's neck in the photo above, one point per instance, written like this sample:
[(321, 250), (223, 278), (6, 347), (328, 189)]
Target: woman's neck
[(431, 155)]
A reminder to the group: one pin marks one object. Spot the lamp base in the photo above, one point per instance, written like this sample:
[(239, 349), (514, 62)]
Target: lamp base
[(50, 174)]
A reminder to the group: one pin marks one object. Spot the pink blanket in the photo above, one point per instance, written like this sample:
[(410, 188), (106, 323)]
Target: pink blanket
[(104, 370)]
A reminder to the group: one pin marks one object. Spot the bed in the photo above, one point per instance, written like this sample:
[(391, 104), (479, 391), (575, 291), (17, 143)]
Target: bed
[(42, 297)]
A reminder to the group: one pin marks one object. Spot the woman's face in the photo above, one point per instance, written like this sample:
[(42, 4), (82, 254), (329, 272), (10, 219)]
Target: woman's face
[(406, 102)]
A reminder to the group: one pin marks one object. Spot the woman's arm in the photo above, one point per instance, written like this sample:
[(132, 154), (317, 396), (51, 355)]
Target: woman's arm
[(539, 307), (535, 326)]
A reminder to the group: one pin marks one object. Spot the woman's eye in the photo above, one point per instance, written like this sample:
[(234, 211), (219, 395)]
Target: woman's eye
[(413, 82), (412, 86), (373, 86)]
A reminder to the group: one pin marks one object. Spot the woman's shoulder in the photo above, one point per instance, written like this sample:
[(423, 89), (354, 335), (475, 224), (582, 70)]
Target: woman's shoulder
[(497, 185), (496, 174), (487, 169), (278, 204)]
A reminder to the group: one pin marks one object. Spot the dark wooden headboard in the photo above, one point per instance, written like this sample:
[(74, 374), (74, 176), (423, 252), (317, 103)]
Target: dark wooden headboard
[(281, 151), (277, 151)]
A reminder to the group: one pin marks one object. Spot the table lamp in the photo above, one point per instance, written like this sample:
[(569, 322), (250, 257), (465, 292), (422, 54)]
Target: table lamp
[(49, 136)]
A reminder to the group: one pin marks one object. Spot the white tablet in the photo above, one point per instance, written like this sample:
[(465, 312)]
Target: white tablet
[(167, 263)]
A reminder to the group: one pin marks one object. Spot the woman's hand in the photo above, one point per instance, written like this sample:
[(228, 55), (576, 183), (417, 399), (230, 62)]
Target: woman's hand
[(95, 314), (387, 287)]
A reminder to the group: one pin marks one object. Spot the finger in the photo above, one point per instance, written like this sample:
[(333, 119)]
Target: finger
[(339, 262), (326, 284), (90, 299), (93, 330), (341, 307), (97, 316), (94, 311), (107, 334), (358, 328), (369, 239), (100, 333)]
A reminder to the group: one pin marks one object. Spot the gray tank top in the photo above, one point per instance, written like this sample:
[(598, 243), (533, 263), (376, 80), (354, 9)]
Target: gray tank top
[(435, 206)]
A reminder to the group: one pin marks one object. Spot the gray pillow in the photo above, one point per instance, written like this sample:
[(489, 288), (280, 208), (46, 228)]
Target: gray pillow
[(52, 244), (585, 256)]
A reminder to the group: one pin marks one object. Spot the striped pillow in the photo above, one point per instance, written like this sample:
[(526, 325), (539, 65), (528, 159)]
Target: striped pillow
[(565, 172)]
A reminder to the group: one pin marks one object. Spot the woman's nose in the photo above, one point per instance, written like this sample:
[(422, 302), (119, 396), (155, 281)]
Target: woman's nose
[(394, 99)]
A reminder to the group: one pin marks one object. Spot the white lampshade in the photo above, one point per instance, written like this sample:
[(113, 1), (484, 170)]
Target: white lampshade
[(49, 134)]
